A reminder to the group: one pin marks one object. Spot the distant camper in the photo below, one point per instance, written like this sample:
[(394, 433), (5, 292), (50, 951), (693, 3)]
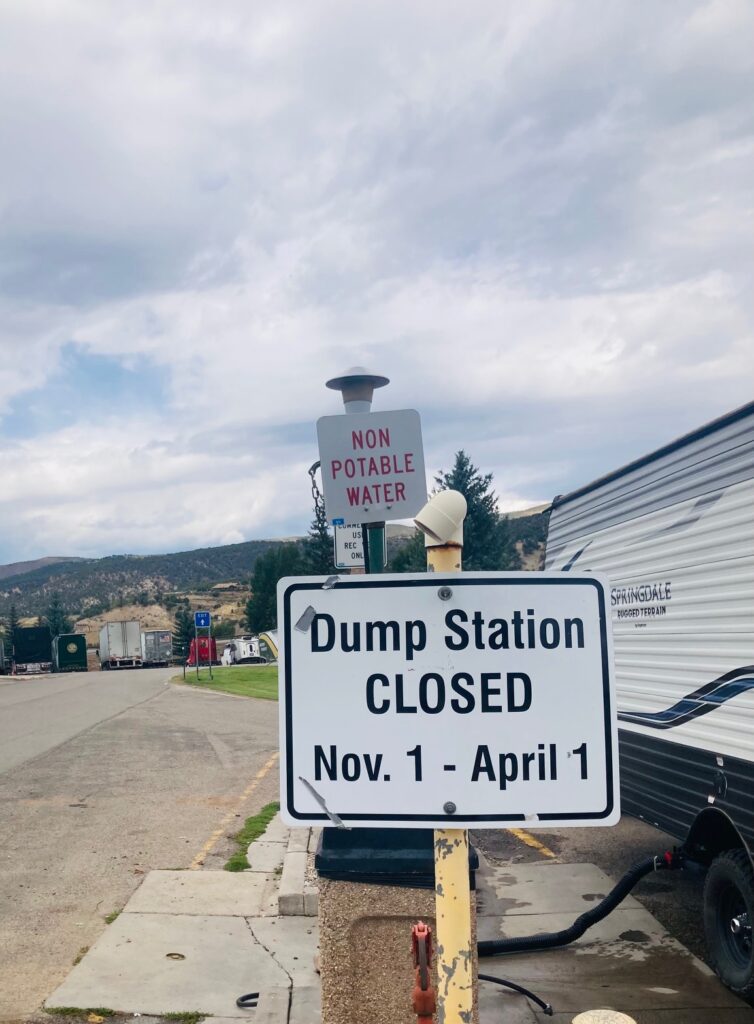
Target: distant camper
[(674, 533), (120, 645), (243, 650), (69, 653), (156, 647)]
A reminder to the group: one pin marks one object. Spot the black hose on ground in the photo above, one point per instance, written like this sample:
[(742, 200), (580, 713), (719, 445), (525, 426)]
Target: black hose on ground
[(548, 1011), (550, 940)]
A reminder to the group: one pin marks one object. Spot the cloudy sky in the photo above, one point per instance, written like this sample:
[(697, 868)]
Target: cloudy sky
[(536, 218)]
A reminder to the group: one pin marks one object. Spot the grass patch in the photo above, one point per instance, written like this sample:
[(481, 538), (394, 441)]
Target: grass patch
[(251, 831), (186, 1017), (112, 916), (243, 680), (80, 955), (80, 1011)]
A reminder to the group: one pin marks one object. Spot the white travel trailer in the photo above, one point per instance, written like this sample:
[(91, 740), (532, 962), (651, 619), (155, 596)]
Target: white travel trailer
[(674, 533), (243, 650)]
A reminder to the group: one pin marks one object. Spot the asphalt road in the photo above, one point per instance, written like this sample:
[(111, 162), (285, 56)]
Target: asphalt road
[(104, 776)]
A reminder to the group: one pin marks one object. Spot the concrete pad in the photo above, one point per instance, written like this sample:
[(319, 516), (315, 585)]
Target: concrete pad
[(499, 1006), (544, 889), (276, 831), (314, 835), (306, 1006), (574, 980), (311, 901), (293, 942), (265, 857), (631, 933), (291, 891), (129, 969), (222, 893), (298, 840), (273, 1007)]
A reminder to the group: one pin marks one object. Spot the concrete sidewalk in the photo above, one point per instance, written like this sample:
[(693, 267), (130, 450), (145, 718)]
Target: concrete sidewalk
[(195, 940)]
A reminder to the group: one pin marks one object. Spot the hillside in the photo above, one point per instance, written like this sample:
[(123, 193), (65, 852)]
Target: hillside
[(89, 586), (20, 568)]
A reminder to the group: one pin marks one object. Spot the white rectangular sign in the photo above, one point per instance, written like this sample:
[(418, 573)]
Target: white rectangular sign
[(349, 547), (372, 466), (480, 700)]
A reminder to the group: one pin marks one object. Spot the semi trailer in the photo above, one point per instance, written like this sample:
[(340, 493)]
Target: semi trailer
[(69, 653), (120, 645), (674, 533), (156, 647), (32, 650)]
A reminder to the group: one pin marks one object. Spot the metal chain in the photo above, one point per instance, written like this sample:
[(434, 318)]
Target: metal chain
[(319, 501)]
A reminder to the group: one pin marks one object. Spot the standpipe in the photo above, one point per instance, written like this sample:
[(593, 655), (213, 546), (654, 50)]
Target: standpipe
[(454, 951)]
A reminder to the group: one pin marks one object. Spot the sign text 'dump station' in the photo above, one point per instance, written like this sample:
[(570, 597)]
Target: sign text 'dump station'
[(488, 693)]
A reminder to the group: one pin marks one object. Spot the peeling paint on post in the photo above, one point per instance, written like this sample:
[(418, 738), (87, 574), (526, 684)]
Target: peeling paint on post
[(455, 995), (453, 908)]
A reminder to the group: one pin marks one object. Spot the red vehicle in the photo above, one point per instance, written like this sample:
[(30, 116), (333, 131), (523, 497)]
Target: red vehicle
[(207, 651)]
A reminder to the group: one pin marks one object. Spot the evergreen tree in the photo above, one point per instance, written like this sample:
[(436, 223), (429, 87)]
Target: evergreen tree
[(11, 625), (486, 535), (318, 547), (183, 631), (411, 556), (261, 608), (56, 617)]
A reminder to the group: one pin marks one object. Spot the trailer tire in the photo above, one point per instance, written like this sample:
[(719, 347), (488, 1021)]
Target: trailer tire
[(728, 917)]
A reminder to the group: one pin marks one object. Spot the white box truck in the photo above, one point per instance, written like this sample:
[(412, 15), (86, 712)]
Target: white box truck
[(674, 533), (156, 647), (120, 645)]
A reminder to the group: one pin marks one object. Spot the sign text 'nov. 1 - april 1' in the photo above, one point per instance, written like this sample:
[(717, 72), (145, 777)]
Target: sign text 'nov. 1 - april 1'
[(469, 700)]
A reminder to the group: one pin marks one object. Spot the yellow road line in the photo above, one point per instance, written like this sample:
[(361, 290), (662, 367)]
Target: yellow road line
[(216, 835), (530, 840)]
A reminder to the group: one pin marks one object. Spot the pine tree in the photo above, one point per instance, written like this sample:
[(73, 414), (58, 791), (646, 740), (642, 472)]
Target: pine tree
[(411, 556), (261, 608), (318, 547), (11, 625), (486, 542), (56, 617), (183, 631)]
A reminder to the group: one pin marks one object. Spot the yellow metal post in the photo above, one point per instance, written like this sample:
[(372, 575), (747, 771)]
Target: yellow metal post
[(455, 988)]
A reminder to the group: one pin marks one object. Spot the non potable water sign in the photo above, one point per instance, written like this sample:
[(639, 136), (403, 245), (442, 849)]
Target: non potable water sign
[(372, 466), (470, 700)]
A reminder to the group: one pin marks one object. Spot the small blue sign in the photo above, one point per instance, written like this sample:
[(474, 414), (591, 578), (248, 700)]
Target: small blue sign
[(202, 620), (339, 522)]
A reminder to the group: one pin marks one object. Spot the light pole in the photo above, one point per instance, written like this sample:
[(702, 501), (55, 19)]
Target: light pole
[(357, 386)]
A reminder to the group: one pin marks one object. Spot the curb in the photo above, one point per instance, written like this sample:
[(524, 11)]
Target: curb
[(298, 897)]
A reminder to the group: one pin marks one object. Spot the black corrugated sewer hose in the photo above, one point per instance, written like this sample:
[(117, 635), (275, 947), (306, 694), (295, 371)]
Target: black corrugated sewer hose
[(669, 861)]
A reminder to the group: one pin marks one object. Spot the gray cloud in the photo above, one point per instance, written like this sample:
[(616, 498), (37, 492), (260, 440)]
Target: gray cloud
[(535, 217)]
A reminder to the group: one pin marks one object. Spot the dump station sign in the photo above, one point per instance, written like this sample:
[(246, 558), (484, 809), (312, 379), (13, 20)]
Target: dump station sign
[(471, 700), (372, 466)]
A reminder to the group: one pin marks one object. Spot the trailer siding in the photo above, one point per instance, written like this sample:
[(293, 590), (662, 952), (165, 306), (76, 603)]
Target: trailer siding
[(674, 533)]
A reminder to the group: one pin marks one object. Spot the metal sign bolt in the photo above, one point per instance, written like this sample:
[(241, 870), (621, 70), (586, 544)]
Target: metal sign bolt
[(445, 593), (449, 807)]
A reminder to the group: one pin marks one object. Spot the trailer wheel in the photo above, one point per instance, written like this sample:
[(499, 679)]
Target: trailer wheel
[(728, 916)]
